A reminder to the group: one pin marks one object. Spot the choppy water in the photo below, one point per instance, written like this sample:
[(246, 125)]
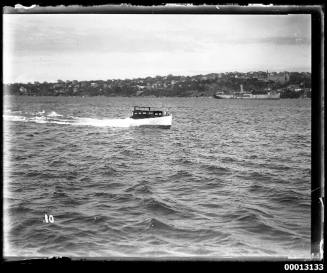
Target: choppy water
[(230, 178)]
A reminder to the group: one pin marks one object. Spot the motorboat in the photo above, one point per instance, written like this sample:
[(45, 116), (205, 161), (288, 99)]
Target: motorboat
[(148, 116)]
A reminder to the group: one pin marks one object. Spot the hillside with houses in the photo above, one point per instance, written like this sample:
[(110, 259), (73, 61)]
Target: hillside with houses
[(288, 84)]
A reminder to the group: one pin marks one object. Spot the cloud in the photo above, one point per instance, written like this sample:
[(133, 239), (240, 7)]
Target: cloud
[(62, 33), (79, 46), (65, 40)]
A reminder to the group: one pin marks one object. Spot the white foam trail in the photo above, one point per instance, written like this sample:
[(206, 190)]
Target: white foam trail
[(14, 118), (74, 121), (31, 119), (127, 122), (55, 118), (8, 111), (40, 119)]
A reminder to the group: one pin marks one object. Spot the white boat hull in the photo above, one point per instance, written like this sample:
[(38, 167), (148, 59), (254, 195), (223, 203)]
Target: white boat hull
[(163, 122), (223, 96)]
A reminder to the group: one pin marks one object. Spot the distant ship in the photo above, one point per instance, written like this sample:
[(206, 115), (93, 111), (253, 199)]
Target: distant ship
[(269, 95), (223, 95), (146, 116)]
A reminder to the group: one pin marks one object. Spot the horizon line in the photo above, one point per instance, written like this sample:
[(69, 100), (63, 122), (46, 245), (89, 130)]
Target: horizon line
[(166, 75)]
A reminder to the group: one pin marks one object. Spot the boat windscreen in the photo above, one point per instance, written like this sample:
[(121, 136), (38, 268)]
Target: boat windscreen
[(141, 108)]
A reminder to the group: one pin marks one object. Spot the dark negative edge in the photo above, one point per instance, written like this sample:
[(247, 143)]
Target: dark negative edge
[(316, 11)]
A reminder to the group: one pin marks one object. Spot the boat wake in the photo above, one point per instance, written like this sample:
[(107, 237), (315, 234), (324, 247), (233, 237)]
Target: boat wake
[(126, 122), (55, 118)]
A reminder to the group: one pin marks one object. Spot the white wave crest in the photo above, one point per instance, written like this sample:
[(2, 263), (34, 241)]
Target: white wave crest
[(54, 114), (41, 112)]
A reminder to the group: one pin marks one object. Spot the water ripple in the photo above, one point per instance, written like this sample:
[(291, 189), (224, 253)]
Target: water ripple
[(230, 178)]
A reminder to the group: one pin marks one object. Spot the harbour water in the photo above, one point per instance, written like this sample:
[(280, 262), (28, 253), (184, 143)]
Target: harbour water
[(231, 178)]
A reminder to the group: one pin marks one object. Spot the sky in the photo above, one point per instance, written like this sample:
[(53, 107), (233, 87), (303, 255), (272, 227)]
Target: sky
[(48, 47)]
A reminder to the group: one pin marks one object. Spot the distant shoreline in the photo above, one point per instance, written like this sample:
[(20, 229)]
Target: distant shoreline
[(196, 97), (288, 84)]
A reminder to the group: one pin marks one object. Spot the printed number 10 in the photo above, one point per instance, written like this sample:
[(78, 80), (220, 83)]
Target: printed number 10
[(48, 219)]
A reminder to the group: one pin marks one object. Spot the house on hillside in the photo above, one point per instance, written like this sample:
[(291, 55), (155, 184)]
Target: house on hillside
[(283, 77)]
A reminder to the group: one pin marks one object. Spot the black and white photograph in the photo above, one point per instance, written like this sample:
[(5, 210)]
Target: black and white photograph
[(157, 135)]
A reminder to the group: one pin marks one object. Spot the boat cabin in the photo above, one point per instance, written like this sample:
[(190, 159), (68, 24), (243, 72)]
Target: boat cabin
[(146, 112)]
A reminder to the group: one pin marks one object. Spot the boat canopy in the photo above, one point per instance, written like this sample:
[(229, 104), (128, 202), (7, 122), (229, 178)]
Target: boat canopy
[(141, 108), (147, 112)]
